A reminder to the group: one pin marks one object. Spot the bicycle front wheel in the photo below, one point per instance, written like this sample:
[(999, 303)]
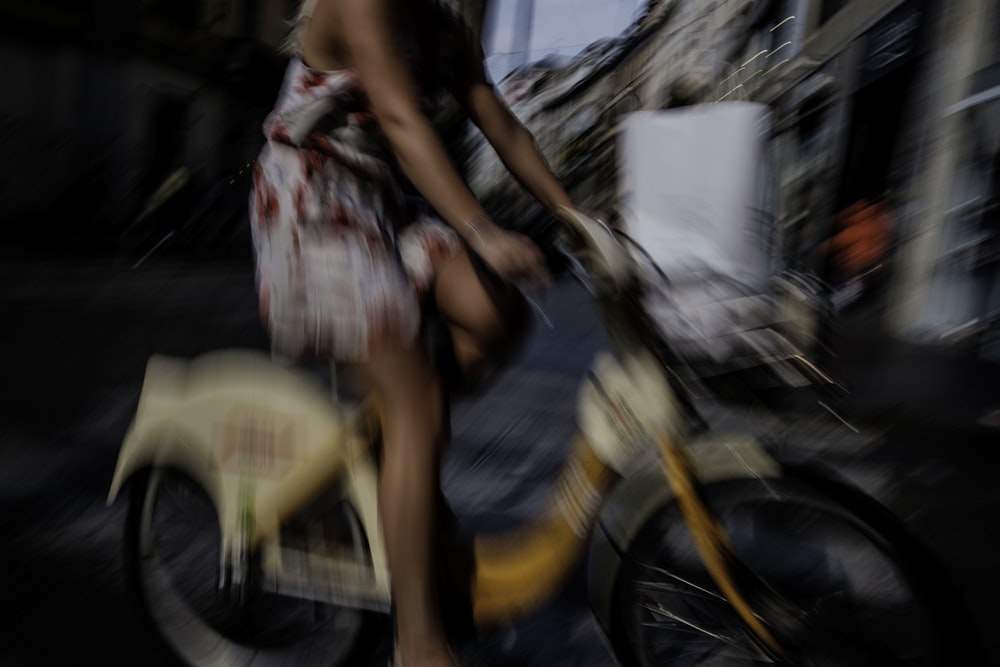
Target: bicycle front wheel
[(851, 594), (172, 546)]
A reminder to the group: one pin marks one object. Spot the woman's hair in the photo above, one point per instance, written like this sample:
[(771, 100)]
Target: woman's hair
[(297, 25)]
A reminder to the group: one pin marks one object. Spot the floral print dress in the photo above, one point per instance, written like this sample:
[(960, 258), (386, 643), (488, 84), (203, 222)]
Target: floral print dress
[(344, 258)]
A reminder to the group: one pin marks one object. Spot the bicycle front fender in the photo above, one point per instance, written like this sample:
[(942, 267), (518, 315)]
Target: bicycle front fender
[(637, 498)]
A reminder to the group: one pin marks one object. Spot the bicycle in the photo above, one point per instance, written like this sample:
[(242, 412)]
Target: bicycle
[(253, 533)]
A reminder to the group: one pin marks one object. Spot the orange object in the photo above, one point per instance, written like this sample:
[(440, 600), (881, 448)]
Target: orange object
[(863, 237)]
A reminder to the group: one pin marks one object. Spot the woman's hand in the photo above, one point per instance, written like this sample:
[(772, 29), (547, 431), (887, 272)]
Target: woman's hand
[(513, 256)]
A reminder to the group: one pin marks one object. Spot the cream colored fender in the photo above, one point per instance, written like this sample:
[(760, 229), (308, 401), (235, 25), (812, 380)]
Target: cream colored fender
[(260, 438)]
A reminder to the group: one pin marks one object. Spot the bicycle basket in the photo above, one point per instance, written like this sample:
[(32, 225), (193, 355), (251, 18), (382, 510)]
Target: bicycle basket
[(691, 192)]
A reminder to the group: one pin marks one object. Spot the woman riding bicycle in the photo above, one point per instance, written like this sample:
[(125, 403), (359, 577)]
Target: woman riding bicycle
[(361, 224)]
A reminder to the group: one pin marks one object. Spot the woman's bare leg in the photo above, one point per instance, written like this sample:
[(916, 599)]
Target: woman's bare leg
[(411, 397), (486, 323), (488, 317)]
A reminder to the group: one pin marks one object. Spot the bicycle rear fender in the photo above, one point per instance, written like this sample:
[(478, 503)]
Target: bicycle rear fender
[(253, 434), (636, 498)]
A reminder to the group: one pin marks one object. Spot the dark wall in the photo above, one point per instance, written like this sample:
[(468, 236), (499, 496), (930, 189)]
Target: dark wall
[(104, 102)]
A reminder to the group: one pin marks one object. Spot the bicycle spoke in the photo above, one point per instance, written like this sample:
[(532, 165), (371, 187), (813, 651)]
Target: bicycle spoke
[(676, 622), (673, 576)]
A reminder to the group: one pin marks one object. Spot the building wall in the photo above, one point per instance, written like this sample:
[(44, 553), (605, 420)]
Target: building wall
[(943, 288), (829, 92), (918, 174)]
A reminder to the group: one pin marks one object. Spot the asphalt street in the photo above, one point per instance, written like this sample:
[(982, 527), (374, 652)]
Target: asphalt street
[(76, 338)]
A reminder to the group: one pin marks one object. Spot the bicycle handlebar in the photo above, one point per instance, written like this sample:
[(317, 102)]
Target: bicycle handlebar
[(598, 249)]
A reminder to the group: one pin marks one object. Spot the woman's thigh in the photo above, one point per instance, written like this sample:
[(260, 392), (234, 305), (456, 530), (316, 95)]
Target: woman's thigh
[(407, 386)]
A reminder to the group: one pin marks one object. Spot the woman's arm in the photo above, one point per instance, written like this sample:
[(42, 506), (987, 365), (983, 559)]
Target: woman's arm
[(366, 30), (513, 142), (367, 34)]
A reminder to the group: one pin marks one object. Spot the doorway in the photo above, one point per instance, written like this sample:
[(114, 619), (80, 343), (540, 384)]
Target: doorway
[(875, 130)]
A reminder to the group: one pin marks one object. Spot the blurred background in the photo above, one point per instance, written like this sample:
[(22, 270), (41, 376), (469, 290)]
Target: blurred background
[(126, 121), (885, 101), (128, 131)]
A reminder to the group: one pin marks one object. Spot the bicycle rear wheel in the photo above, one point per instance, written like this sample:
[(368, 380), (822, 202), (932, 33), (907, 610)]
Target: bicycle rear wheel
[(840, 591), (172, 547)]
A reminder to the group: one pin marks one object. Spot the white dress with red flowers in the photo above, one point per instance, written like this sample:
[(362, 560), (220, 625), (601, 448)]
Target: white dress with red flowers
[(343, 261)]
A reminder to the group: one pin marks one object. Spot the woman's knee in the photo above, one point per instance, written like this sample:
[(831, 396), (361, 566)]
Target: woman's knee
[(473, 298), (476, 356)]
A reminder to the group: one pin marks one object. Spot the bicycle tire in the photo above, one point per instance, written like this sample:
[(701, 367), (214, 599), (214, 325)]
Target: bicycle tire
[(861, 592), (181, 604)]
